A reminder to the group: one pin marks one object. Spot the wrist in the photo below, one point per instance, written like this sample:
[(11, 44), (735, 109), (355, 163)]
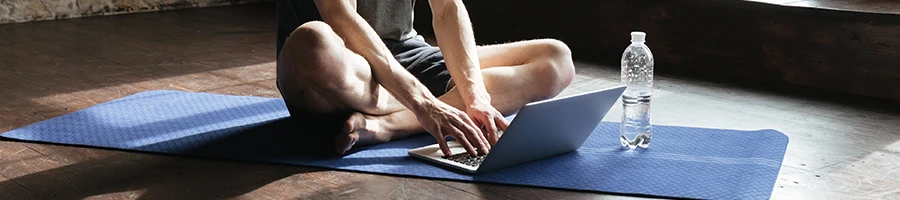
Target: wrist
[(475, 94), (423, 103)]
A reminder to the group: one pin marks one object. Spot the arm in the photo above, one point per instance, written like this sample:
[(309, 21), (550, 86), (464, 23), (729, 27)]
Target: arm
[(361, 38), (437, 117), (453, 30)]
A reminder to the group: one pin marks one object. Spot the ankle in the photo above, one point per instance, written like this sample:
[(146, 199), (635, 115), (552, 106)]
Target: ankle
[(376, 126), (397, 125)]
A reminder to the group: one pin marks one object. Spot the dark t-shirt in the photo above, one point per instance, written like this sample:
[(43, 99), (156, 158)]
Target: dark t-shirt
[(391, 19)]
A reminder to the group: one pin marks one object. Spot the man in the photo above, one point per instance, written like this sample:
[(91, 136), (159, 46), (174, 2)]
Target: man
[(362, 63)]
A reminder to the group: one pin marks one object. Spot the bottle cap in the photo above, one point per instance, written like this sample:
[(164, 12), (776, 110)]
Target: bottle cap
[(638, 37)]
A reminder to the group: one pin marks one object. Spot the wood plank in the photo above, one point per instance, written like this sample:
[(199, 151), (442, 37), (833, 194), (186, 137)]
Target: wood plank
[(863, 6), (859, 6), (265, 88), (14, 190), (132, 175), (841, 147), (778, 2), (250, 74)]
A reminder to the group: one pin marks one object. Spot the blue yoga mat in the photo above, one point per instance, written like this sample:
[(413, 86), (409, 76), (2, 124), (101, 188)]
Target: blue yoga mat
[(682, 162)]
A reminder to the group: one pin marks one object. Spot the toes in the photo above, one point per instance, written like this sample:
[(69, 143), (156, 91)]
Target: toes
[(354, 122), (357, 131), (349, 125), (345, 142)]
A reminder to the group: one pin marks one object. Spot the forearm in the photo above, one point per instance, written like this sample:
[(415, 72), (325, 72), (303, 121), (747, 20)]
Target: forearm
[(455, 37), (362, 39)]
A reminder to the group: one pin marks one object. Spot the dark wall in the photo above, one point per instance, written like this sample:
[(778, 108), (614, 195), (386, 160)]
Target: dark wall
[(840, 51)]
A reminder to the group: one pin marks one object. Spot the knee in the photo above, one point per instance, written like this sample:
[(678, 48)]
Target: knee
[(559, 70), (311, 35), (309, 43), (560, 56), (314, 54), (554, 48)]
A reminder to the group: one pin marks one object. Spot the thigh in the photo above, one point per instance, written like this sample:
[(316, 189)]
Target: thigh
[(513, 54), (427, 63)]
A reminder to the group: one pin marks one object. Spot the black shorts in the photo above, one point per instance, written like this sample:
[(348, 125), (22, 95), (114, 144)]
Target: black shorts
[(424, 61)]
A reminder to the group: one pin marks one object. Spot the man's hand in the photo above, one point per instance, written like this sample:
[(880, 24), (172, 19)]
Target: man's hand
[(442, 120), (488, 117)]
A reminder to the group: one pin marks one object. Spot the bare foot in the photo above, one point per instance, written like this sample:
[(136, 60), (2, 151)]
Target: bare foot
[(358, 129), (361, 129)]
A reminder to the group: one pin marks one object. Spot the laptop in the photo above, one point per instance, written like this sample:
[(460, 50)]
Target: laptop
[(539, 130)]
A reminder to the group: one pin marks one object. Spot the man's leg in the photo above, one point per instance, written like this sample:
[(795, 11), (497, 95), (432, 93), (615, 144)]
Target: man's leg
[(514, 74), (318, 74)]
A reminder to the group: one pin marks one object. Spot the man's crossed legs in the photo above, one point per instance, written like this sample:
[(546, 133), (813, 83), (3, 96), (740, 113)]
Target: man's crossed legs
[(319, 74)]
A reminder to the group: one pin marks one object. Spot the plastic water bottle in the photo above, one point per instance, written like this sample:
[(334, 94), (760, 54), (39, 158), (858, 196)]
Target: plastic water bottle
[(637, 74)]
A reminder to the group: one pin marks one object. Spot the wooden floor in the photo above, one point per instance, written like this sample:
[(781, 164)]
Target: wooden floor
[(839, 148), (864, 6)]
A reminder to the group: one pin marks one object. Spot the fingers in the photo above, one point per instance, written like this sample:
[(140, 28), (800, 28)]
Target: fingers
[(492, 131), (475, 136), (464, 141), (503, 124), (442, 142), (463, 127)]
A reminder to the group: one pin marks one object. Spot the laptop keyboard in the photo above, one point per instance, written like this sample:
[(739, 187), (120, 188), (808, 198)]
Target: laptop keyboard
[(467, 159)]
